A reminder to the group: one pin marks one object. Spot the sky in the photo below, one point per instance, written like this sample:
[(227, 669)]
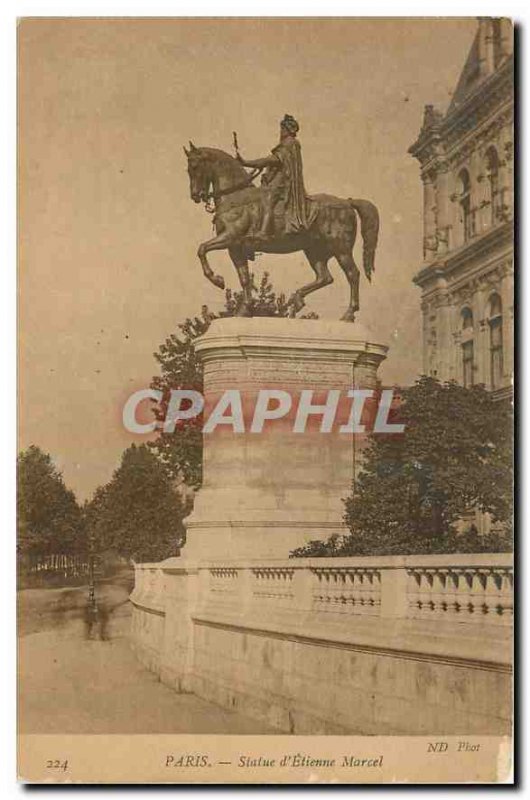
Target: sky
[(107, 231)]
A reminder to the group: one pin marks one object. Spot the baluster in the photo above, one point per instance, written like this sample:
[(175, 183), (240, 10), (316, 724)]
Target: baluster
[(349, 607), (344, 593), (451, 594), (506, 597), (438, 595), (334, 590), (414, 593), (463, 587), (315, 590), (375, 592), (325, 589), (368, 593), (341, 601), (425, 599), (476, 597), (351, 590), (360, 588), (322, 596), (325, 598), (253, 587), (348, 592), (291, 598), (378, 588), (280, 579), (491, 597)]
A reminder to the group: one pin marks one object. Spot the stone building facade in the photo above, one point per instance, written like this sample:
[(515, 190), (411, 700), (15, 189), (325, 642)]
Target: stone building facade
[(466, 279)]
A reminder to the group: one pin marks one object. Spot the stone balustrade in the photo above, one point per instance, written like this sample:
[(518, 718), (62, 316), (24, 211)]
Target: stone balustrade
[(394, 632), (346, 589), (457, 589), (475, 594), (467, 589)]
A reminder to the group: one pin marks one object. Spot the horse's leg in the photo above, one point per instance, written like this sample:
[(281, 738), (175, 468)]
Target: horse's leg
[(220, 242), (240, 261), (319, 264), (352, 274)]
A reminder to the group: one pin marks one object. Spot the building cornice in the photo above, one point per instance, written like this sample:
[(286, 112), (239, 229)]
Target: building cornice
[(488, 95), (496, 238), (441, 135), (461, 292)]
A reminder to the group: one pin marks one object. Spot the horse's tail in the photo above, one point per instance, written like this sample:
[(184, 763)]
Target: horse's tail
[(370, 231)]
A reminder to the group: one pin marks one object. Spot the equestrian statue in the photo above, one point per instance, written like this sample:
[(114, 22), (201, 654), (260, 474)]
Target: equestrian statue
[(279, 217)]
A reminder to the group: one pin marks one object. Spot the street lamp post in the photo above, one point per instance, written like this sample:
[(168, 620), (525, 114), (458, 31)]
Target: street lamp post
[(91, 582)]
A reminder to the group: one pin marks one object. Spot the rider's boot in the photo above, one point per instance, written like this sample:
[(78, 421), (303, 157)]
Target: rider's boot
[(264, 231)]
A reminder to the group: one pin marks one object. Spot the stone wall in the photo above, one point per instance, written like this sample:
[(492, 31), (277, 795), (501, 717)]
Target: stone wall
[(352, 645)]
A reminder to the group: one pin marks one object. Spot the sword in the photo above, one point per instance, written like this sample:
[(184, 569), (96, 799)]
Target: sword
[(236, 146)]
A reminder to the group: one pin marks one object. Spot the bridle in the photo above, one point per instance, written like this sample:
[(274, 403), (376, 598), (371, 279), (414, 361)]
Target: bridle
[(212, 198)]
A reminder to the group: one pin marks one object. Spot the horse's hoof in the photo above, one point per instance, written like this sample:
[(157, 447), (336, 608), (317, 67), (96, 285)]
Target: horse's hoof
[(218, 281), (296, 302), (349, 316)]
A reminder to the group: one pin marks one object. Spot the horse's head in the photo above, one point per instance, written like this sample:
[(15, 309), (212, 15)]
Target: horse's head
[(207, 166), (199, 172)]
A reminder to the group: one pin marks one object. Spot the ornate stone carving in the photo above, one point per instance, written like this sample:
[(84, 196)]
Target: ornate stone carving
[(430, 244), (480, 138)]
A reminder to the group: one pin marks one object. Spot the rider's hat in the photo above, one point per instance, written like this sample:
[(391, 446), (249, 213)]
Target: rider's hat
[(290, 124)]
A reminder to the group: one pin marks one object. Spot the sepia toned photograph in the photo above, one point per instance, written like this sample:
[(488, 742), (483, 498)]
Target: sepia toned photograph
[(265, 400)]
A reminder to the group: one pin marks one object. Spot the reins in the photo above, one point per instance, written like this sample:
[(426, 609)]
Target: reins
[(215, 196)]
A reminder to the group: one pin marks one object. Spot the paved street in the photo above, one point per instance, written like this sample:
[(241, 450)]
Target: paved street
[(69, 683)]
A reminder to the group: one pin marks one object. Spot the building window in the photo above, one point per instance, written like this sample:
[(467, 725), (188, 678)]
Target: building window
[(496, 355), (467, 361), (467, 346), (492, 166), (467, 319), (465, 204)]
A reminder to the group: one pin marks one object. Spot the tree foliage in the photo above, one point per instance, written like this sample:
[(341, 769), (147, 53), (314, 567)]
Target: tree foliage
[(181, 451), (455, 455), (138, 514), (49, 519)]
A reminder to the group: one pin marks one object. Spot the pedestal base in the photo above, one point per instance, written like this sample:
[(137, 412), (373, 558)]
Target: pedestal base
[(264, 494)]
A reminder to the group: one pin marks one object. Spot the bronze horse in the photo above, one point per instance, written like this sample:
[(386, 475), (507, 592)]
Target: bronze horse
[(216, 175)]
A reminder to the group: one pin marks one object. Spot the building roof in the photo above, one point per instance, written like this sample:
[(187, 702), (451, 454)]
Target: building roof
[(469, 78)]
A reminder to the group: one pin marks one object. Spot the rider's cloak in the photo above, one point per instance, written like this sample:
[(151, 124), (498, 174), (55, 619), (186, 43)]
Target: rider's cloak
[(298, 216)]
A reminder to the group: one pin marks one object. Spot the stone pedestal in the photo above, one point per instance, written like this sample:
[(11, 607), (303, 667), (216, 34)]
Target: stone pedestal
[(266, 493)]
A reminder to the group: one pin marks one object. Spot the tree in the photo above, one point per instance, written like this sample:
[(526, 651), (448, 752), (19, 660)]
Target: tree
[(181, 451), (94, 519), (138, 514), (180, 368), (49, 519), (454, 455)]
